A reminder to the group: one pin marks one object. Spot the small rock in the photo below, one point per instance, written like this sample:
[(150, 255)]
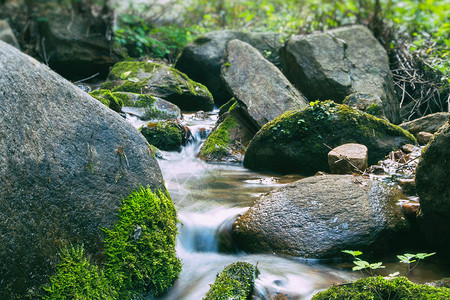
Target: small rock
[(348, 158), (408, 148), (376, 170), (430, 123), (201, 115), (424, 138), (411, 209)]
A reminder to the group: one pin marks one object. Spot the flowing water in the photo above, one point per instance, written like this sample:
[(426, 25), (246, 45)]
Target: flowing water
[(208, 198)]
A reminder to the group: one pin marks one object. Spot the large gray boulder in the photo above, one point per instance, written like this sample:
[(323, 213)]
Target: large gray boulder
[(160, 81), (319, 216), (66, 160), (433, 188), (201, 60), (258, 83), (340, 62)]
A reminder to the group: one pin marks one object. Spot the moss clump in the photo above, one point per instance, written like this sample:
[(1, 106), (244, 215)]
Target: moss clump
[(235, 282), (226, 107), (217, 145), (380, 288), (167, 135), (77, 278), (299, 141), (140, 248), (374, 109), (107, 98), (125, 98)]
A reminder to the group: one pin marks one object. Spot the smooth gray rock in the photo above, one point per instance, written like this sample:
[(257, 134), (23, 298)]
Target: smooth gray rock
[(338, 63), (430, 123), (433, 188), (348, 158), (146, 107), (202, 59), (7, 35), (319, 216), (66, 160), (258, 83)]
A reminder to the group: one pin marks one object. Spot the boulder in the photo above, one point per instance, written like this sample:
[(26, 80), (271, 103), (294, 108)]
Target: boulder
[(159, 81), (66, 161), (7, 35), (368, 103), (340, 62), (147, 107), (348, 158), (166, 135), (299, 141), (433, 188), (430, 123), (202, 59), (319, 216), (258, 83), (230, 137), (423, 137)]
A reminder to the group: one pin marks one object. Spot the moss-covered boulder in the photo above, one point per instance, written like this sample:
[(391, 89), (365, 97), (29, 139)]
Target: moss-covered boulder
[(368, 103), (166, 135), (140, 247), (381, 288), (108, 99), (230, 137), (235, 282), (299, 141), (318, 216), (160, 81), (433, 188), (147, 107)]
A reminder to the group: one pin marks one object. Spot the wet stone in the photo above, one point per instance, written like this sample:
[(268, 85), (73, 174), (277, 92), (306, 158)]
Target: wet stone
[(424, 138)]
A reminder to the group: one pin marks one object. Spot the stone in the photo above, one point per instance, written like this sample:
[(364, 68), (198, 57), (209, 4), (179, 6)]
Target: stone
[(66, 161), (299, 141), (423, 137), (159, 80), (368, 103), (340, 62), (166, 135), (433, 188), (258, 83), (408, 148), (230, 137), (429, 123), (202, 59), (7, 35), (319, 216), (347, 159), (408, 185), (147, 107)]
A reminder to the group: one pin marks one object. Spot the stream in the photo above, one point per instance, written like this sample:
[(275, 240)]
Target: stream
[(208, 197)]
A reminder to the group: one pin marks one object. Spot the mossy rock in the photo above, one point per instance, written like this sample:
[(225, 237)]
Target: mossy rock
[(235, 282), (160, 81), (230, 137), (166, 135), (380, 288), (299, 141), (140, 248), (108, 99), (147, 107)]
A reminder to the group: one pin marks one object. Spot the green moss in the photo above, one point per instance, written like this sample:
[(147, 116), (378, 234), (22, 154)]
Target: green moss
[(235, 282), (217, 143), (123, 97), (107, 98), (226, 107), (374, 109), (140, 248), (165, 135), (299, 141), (380, 288), (77, 278)]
